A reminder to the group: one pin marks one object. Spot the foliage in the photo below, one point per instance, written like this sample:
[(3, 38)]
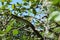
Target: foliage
[(30, 20)]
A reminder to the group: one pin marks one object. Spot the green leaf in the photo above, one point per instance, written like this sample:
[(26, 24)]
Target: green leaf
[(13, 6), (8, 1), (23, 9), (9, 27), (3, 7), (56, 2), (33, 5), (24, 37), (1, 33), (24, 0), (15, 32), (57, 30), (57, 19), (18, 4), (25, 4), (3, 0), (34, 11), (53, 15), (33, 0)]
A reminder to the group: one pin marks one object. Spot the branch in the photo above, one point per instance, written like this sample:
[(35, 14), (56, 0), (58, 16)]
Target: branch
[(30, 25)]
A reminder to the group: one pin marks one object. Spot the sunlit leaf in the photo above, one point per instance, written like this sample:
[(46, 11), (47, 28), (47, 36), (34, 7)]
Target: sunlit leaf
[(13, 6), (53, 15), (9, 27), (3, 0), (24, 0), (57, 19), (15, 32)]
